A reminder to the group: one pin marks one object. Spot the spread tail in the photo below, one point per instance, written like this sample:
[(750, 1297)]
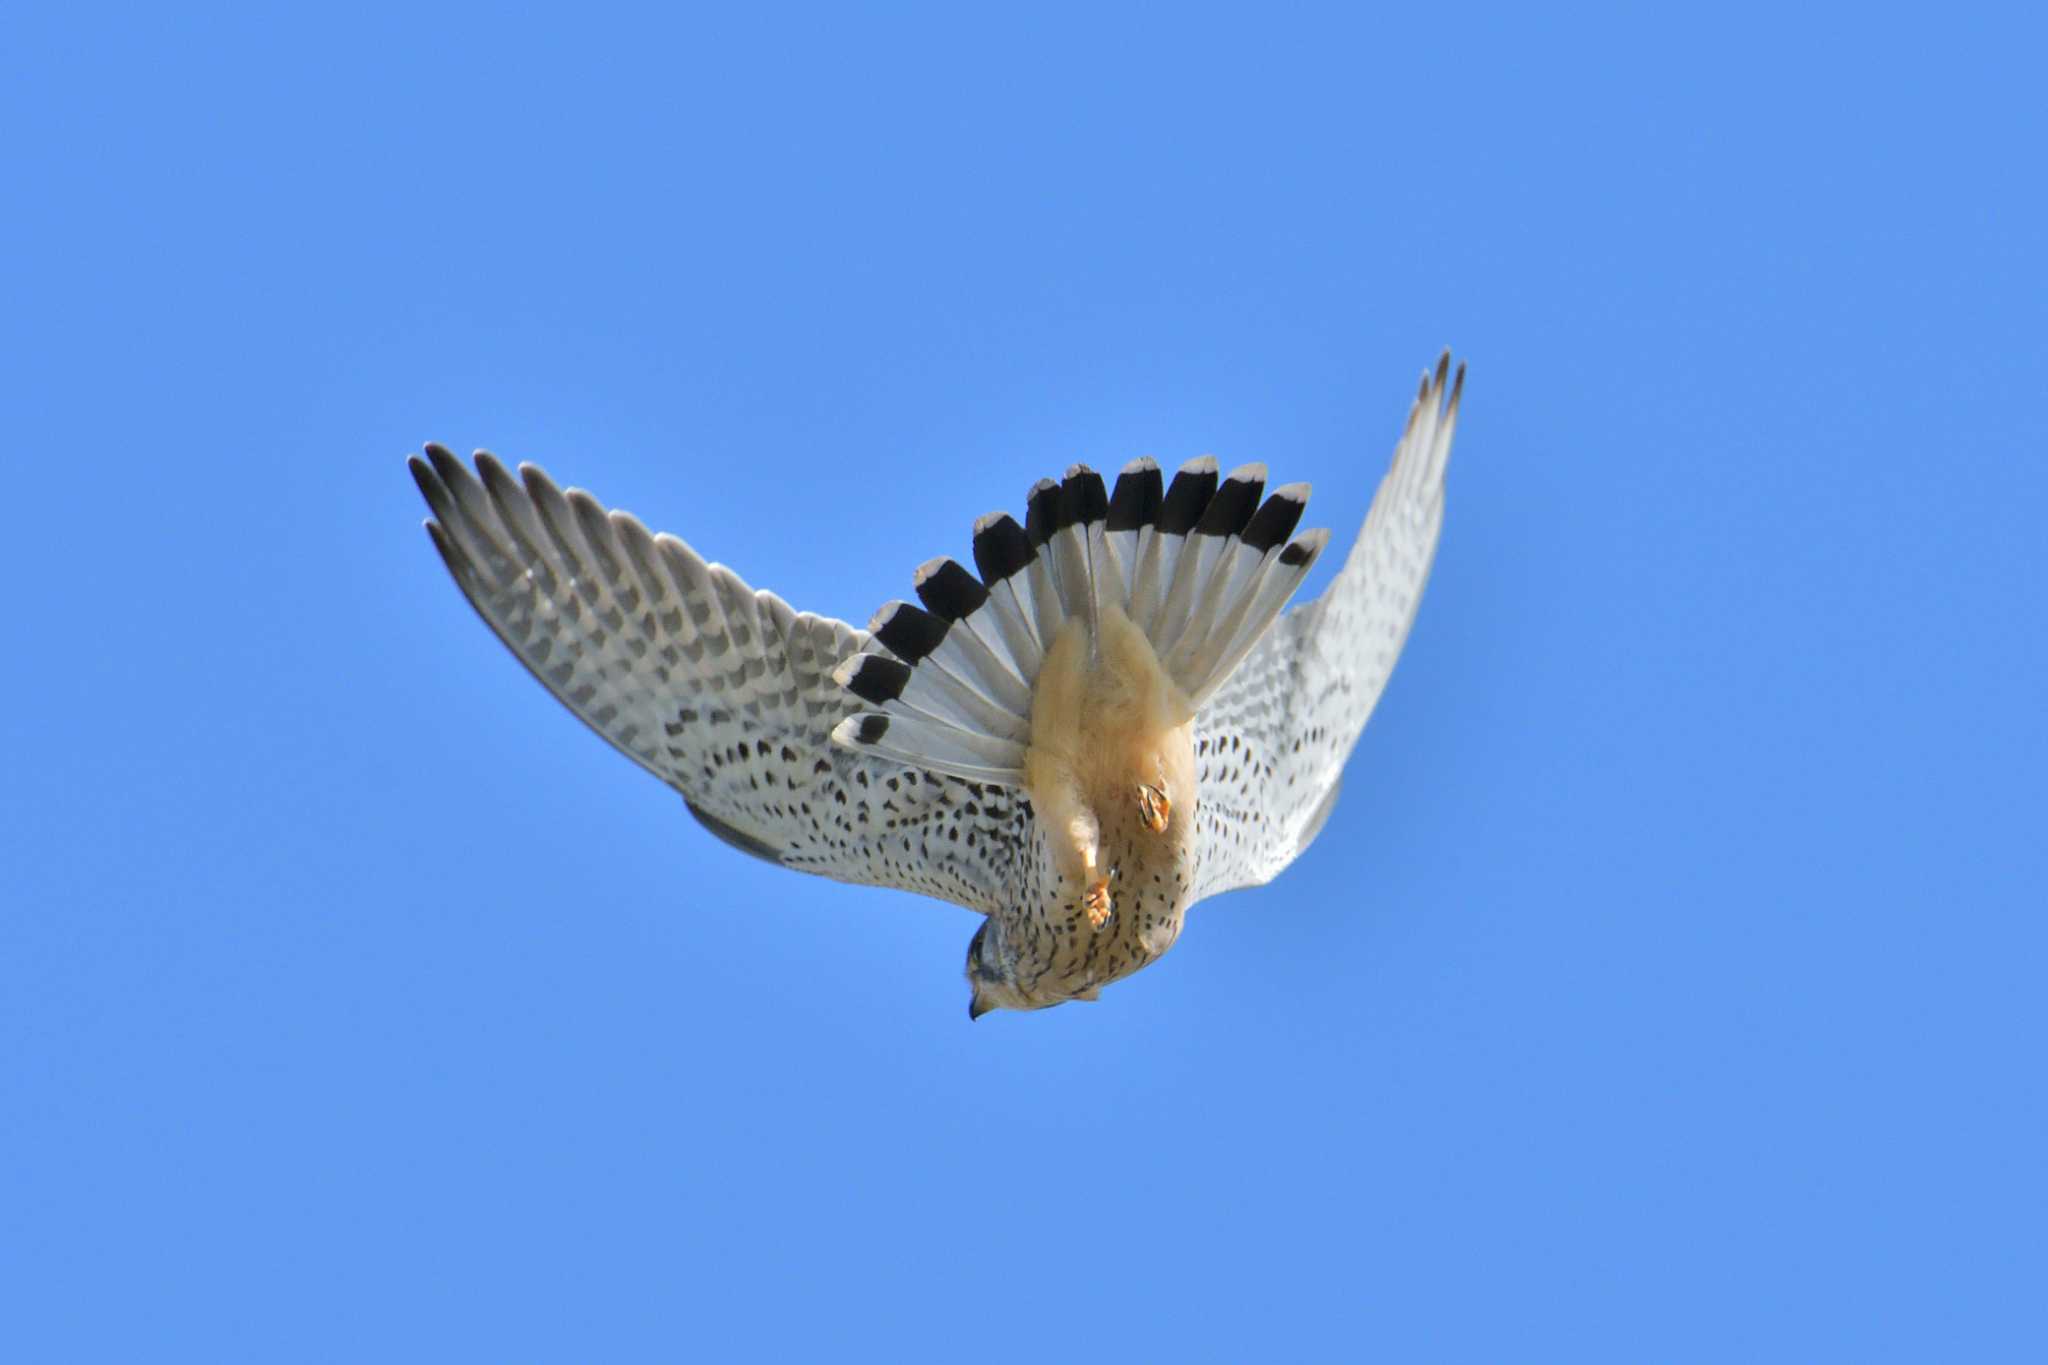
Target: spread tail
[(1202, 567)]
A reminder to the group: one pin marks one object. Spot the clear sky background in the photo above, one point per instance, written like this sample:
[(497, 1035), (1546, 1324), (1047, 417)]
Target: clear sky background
[(1667, 986)]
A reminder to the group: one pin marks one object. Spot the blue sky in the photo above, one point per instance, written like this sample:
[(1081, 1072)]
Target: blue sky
[(1666, 985)]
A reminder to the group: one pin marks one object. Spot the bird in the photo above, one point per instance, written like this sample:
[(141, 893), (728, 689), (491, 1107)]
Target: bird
[(1110, 717)]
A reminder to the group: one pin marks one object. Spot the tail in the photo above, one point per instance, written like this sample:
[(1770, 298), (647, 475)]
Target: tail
[(1201, 566)]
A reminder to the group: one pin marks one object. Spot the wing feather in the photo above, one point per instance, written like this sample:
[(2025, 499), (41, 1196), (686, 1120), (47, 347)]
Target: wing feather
[(1270, 745), (724, 693)]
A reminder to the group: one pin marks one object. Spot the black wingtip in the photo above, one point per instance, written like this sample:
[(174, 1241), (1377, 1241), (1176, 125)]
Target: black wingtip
[(452, 557), (444, 463), (1277, 517), (872, 728), (1083, 500), (907, 632), (1188, 496), (1231, 509), (877, 680), (1043, 515), (498, 479), (437, 484), (1001, 548), (948, 591), (422, 475), (1304, 549), (538, 485), (1139, 489)]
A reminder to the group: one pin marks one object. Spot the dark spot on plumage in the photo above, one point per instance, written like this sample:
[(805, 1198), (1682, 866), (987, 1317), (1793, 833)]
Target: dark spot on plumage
[(1001, 548), (876, 679), (1274, 521), (872, 728), (1294, 555), (1042, 512), (1139, 489), (949, 592), (910, 633), (1231, 509), (1186, 497), (1083, 501)]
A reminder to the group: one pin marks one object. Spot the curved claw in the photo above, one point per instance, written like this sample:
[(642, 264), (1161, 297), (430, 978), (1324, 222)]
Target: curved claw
[(1153, 807), (1097, 904)]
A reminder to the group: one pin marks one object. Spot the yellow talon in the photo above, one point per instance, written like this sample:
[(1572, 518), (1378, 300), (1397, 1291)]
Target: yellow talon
[(1154, 807), (1097, 904)]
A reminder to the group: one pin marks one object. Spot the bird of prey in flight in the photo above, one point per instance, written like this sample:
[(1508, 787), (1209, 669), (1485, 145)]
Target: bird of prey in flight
[(1105, 720)]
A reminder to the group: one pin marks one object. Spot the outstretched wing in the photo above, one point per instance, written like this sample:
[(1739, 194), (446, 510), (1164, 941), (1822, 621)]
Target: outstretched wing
[(722, 692), (1270, 746)]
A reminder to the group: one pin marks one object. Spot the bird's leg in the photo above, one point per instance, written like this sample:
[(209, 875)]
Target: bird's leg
[(1097, 904), (1153, 807), (1086, 850)]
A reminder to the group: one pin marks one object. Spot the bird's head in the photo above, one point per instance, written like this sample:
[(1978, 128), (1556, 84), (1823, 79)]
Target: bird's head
[(990, 977)]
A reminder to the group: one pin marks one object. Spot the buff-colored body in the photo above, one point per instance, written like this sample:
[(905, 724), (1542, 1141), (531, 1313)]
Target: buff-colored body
[(1111, 775), (1105, 725)]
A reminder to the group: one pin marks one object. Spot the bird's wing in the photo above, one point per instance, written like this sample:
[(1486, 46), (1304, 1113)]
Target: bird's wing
[(722, 692), (1270, 745)]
